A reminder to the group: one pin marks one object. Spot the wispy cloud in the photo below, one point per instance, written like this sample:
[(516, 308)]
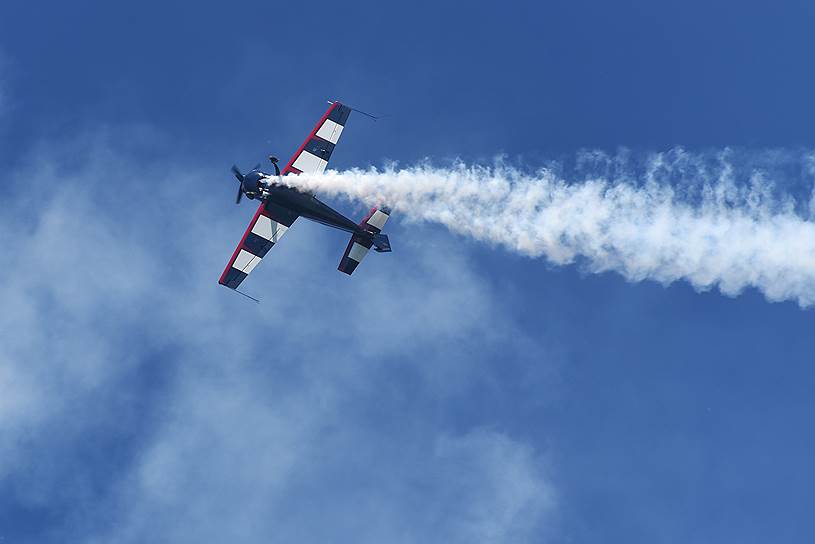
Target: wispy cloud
[(712, 229), (144, 402)]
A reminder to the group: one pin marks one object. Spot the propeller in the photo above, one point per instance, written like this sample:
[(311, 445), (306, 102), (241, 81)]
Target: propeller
[(238, 175)]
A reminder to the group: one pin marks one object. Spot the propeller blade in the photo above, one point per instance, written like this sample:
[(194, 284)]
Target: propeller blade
[(237, 173), (240, 194)]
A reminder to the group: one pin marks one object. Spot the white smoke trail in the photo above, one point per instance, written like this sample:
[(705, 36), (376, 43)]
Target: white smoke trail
[(711, 233)]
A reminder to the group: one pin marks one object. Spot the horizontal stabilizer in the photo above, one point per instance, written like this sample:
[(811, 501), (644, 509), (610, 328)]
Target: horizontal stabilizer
[(375, 220), (361, 242), (357, 248)]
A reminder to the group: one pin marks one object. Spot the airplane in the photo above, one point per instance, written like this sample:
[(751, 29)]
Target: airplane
[(281, 205)]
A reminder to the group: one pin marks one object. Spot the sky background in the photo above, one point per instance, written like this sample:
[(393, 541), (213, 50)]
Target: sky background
[(447, 392)]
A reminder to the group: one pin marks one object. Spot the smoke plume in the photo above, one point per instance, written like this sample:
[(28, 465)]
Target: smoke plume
[(679, 217)]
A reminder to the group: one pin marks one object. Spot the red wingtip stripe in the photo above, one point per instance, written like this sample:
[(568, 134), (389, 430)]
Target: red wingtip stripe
[(289, 168), (240, 245)]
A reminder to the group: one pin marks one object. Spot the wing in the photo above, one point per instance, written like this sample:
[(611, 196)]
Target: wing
[(313, 155), (268, 225), (271, 221)]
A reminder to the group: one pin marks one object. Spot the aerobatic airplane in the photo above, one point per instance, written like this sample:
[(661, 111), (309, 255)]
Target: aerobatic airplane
[(280, 205)]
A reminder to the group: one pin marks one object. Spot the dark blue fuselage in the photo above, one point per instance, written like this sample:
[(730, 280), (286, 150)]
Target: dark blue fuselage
[(290, 201)]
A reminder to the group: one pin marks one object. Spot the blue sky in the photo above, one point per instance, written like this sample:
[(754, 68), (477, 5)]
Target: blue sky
[(450, 391)]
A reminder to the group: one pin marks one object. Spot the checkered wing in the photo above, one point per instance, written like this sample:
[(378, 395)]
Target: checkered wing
[(313, 155), (268, 225)]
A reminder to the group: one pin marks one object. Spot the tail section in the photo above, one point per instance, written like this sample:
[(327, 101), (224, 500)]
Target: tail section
[(361, 242)]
